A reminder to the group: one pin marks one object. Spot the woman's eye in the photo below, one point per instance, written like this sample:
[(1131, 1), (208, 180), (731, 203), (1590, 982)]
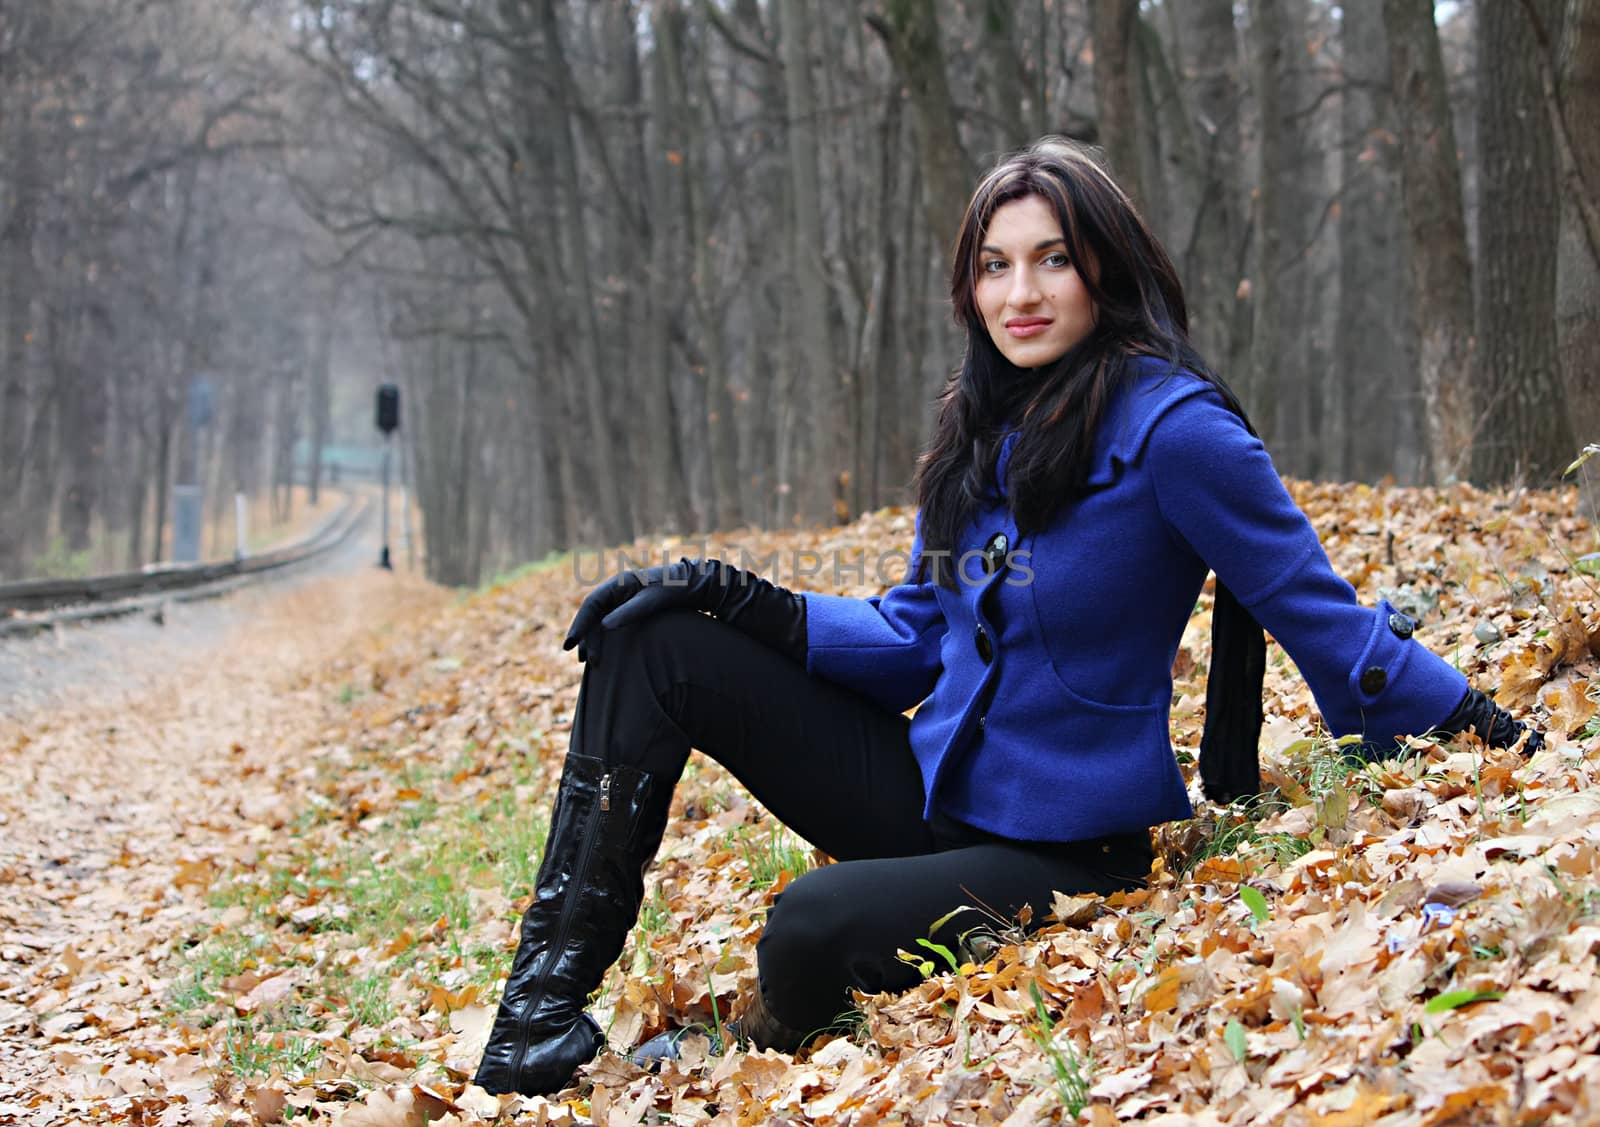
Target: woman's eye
[(994, 266), (1057, 260)]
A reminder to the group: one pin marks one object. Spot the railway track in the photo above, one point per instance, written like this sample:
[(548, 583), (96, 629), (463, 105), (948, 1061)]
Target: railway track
[(33, 606)]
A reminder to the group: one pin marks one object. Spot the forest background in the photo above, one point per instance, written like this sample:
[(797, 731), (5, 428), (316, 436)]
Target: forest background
[(647, 266)]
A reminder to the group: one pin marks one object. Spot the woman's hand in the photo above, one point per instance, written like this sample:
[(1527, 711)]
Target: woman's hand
[(1495, 726), (768, 613), (631, 595)]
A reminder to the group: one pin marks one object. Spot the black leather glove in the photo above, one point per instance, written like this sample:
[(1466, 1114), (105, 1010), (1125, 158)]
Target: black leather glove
[(1494, 725), (770, 614)]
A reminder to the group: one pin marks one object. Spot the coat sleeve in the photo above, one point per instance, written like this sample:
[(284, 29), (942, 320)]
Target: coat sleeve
[(1217, 489), (886, 646)]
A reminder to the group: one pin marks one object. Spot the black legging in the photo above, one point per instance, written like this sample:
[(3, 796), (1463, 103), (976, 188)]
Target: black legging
[(837, 768)]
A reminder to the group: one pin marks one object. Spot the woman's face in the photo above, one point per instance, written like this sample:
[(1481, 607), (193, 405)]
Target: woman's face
[(1029, 293)]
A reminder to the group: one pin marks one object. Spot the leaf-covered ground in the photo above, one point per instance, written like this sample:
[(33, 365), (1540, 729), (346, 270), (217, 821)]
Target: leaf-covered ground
[(287, 891)]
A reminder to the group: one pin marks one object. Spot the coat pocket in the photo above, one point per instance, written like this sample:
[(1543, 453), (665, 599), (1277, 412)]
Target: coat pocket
[(1082, 700)]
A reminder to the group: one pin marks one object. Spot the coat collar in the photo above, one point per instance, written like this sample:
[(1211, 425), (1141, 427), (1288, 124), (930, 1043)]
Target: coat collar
[(1154, 388)]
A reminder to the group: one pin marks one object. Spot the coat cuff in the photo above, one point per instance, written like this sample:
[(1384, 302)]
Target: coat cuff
[(892, 658), (1400, 687)]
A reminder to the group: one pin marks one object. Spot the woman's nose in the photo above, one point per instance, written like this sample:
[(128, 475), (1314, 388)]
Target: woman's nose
[(1024, 287)]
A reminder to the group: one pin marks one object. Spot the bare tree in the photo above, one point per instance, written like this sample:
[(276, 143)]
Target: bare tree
[(1441, 271), (1572, 95), (1525, 428), (1116, 81), (1372, 416), (1212, 246), (910, 31)]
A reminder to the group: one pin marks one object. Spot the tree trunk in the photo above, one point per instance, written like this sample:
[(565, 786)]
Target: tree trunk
[(910, 31), (81, 383), (319, 403), (678, 239), (1372, 420), (604, 453), (1308, 266), (284, 435), (1577, 265), (167, 420), (871, 374), (1261, 397), (1158, 125), (1113, 23), (814, 348), (911, 336), (1213, 256), (17, 289), (767, 362), (138, 487), (1524, 429), (1002, 77), (650, 297), (1436, 237)]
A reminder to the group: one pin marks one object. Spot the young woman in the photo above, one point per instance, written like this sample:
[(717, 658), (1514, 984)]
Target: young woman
[(1086, 472)]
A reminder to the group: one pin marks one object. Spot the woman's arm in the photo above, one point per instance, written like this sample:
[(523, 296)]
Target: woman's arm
[(1217, 489), (886, 646)]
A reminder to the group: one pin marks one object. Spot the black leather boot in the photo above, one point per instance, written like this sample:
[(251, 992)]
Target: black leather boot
[(604, 830)]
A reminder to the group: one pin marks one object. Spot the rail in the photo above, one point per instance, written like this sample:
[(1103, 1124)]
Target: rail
[(36, 604)]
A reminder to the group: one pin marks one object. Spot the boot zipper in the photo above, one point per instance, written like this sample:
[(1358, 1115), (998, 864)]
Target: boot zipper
[(564, 923)]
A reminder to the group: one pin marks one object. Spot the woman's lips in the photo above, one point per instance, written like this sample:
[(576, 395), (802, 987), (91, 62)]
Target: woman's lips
[(1027, 326)]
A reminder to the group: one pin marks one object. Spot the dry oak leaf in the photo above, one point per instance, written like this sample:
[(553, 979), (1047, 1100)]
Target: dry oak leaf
[(1569, 640), (402, 1107), (1521, 678), (267, 993), (1569, 706), (1472, 1105), (266, 1104), (1453, 893), (1365, 1105), (1074, 911)]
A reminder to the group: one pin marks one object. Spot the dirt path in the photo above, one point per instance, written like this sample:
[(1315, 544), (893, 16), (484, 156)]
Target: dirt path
[(95, 661), (126, 768)]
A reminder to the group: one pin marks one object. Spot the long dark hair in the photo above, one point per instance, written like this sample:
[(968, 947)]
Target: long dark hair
[(1139, 309)]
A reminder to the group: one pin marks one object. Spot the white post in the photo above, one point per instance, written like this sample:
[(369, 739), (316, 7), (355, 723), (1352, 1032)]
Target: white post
[(241, 526)]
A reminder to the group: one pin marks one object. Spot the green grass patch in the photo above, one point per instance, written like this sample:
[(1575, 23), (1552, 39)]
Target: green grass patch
[(259, 1049), (364, 913), (1072, 1074), (1323, 772), (772, 854), (57, 562), (521, 571)]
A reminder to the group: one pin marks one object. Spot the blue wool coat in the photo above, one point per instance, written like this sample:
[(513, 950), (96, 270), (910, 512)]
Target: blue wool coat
[(1045, 687)]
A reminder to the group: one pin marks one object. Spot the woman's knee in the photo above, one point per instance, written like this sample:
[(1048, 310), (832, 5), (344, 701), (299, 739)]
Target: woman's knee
[(667, 632), (806, 921), (823, 939)]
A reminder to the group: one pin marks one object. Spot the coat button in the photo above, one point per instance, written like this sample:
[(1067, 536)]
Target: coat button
[(1401, 625), (1373, 680), (994, 552), (983, 722), (985, 646)]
